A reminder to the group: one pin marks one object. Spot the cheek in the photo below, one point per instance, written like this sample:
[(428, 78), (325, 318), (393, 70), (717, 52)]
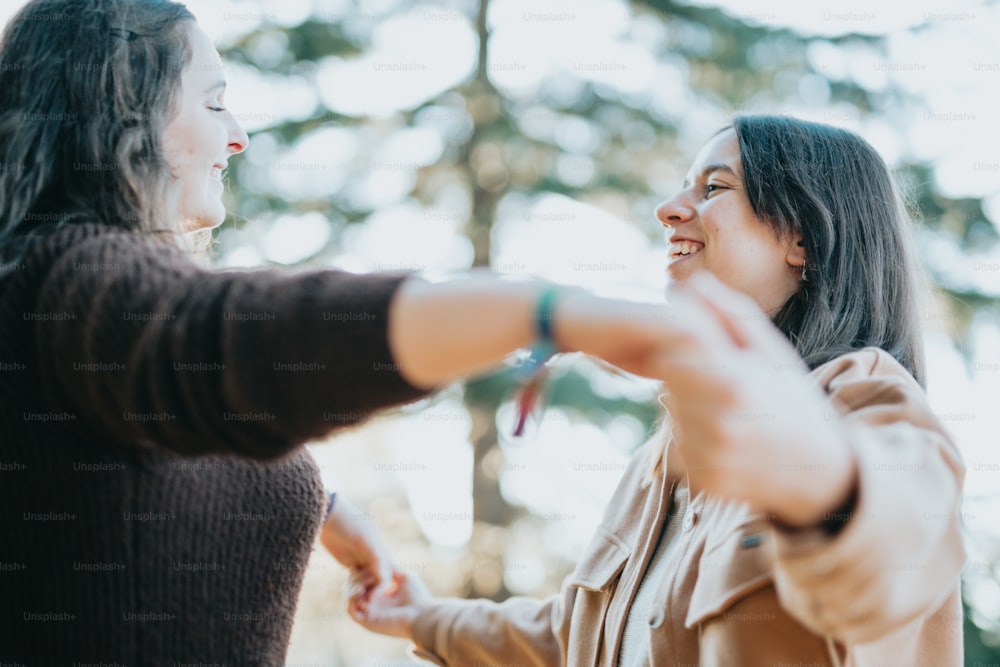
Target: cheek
[(188, 143), (713, 226), (723, 235), (178, 148), (735, 226)]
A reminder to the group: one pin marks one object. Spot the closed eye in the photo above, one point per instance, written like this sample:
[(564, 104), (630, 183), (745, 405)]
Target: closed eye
[(217, 108)]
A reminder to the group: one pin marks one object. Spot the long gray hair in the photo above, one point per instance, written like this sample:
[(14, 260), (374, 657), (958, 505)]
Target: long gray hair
[(833, 188)]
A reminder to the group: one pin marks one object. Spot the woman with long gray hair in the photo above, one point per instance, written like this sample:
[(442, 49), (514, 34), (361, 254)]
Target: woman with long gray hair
[(800, 504)]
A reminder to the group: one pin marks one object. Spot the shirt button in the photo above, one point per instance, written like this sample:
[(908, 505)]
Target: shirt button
[(689, 520), (656, 620)]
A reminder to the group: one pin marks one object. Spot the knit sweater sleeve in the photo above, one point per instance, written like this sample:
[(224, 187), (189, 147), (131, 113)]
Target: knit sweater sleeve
[(138, 343)]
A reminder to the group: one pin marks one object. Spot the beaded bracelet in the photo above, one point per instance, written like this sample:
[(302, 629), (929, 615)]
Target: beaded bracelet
[(534, 369)]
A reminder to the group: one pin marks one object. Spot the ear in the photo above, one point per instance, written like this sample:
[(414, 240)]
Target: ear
[(796, 255)]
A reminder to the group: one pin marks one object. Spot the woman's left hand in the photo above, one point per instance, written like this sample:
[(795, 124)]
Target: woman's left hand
[(354, 540), (748, 423)]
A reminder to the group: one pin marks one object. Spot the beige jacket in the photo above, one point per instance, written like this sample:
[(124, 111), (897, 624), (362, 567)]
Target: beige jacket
[(739, 592)]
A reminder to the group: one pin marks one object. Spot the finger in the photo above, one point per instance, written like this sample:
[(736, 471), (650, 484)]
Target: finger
[(359, 587), (754, 326), (400, 579), (354, 593), (693, 325), (363, 577), (358, 580), (391, 588), (360, 603), (384, 584), (354, 599), (357, 612), (738, 315)]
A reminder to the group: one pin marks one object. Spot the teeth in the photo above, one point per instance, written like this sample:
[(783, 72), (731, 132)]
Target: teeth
[(684, 248)]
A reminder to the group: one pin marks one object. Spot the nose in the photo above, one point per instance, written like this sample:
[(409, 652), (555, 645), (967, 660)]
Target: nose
[(238, 139), (674, 211)]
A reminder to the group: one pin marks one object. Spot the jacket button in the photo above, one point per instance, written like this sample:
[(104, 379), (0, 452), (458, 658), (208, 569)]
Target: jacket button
[(689, 520), (656, 620)]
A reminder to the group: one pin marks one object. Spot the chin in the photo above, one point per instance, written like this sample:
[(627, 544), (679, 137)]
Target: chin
[(208, 218), (680, 273), (202, 223)]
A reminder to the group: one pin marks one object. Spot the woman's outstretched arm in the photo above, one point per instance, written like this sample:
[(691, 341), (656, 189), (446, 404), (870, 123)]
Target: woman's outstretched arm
[(139, 344), (441, 332)]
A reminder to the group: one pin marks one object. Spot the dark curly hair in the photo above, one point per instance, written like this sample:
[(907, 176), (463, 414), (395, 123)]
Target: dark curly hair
[(87, 88)]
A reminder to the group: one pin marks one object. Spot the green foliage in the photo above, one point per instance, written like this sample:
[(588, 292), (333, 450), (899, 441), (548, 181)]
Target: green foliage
[(730, 63)]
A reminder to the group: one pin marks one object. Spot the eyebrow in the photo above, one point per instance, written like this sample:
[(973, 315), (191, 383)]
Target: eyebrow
[(215, 86), (709, 169)]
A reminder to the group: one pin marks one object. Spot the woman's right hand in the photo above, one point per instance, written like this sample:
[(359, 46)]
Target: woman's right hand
[(393, 611)]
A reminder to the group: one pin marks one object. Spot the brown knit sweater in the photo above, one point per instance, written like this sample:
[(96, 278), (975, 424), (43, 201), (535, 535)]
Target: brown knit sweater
[(156, 505)]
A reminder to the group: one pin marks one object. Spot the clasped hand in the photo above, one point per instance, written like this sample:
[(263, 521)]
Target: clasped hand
[(747, 423), (380, 597)]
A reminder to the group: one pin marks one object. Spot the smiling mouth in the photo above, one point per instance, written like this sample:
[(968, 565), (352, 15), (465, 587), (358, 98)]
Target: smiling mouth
[(683, 249)]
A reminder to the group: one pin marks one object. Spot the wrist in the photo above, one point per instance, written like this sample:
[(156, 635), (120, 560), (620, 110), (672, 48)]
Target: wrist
[(410, 622), (421, 628), (832, 518), (533, 369)]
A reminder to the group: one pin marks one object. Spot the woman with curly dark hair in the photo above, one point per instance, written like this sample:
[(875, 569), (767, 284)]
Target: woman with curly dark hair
[(157, 504)]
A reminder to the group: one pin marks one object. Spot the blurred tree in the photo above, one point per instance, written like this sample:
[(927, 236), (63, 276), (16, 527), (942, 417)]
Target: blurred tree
[(502, 145)]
